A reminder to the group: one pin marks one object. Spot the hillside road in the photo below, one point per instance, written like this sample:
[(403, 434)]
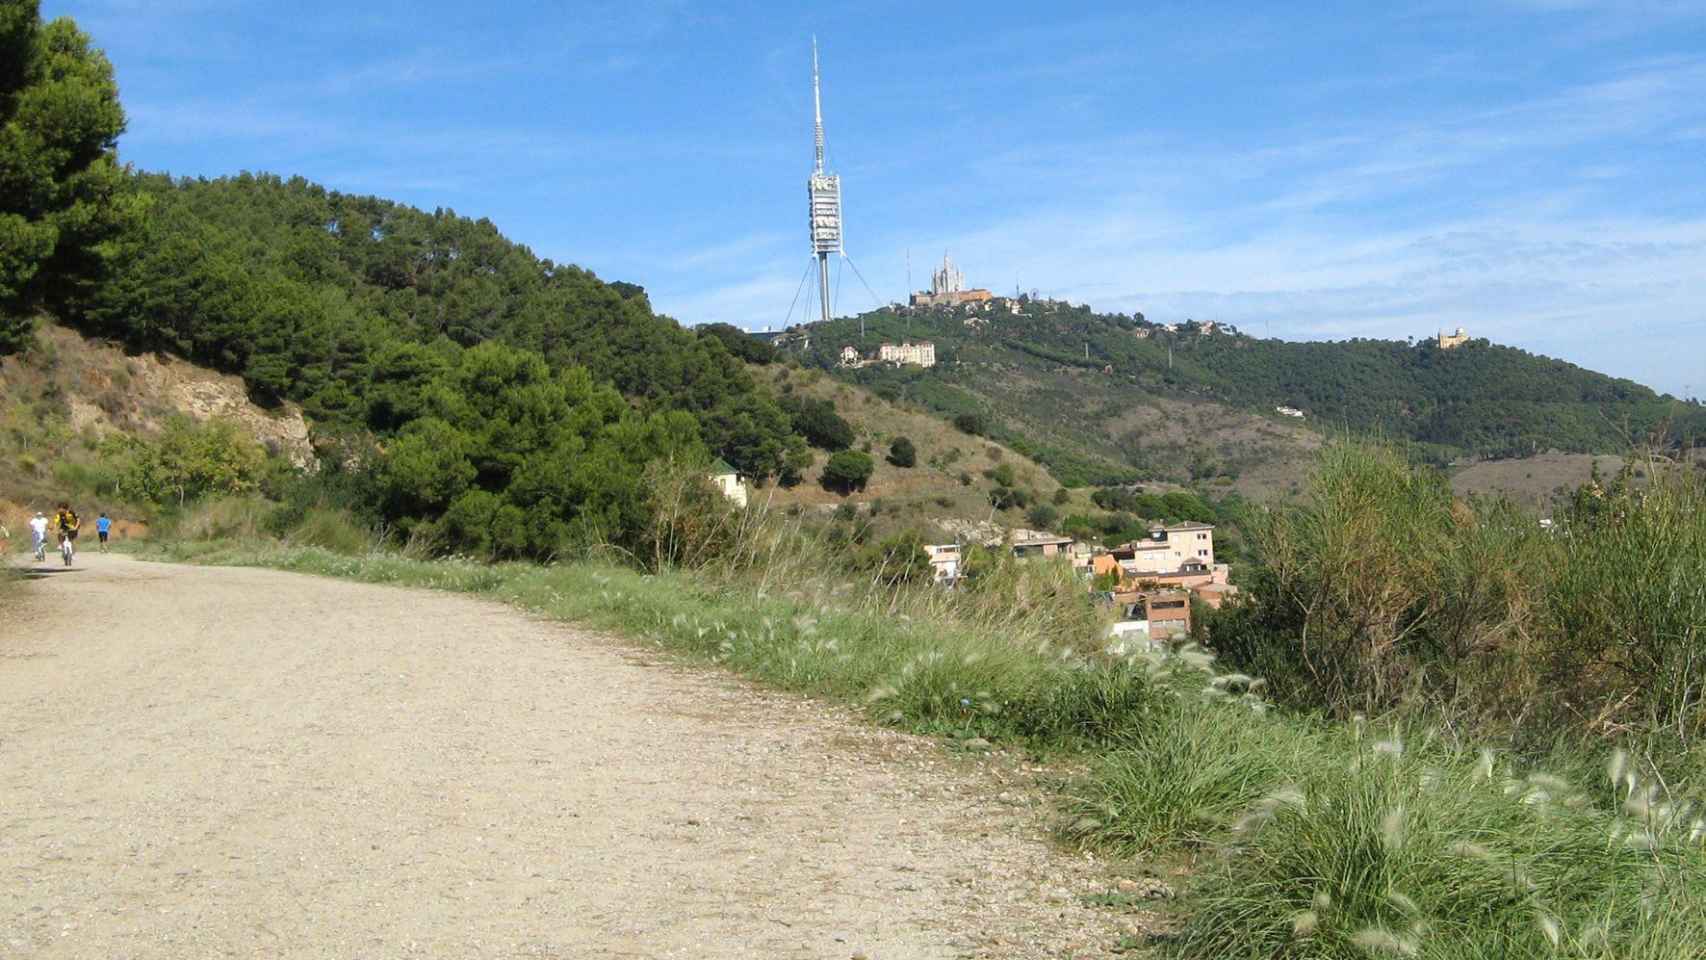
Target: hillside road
[(213, 762)]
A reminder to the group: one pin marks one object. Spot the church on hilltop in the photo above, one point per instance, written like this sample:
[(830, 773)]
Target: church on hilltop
[(948, 289)]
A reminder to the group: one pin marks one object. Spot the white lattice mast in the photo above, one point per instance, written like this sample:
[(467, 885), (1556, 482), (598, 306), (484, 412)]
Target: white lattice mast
[(824, 190)]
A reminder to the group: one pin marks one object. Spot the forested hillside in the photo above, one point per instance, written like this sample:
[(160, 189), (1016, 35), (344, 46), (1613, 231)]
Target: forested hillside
[(348, 304), (1065, 383)]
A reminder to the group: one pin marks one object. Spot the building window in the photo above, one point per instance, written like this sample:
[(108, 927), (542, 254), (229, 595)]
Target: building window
[(1202, 553)]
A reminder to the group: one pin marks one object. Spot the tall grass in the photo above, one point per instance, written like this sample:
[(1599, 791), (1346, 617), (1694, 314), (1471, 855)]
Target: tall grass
[(1432, 852), (1383, 592)]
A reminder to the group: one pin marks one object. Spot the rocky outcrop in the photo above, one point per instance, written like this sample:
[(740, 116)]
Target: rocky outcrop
[(108, 390)]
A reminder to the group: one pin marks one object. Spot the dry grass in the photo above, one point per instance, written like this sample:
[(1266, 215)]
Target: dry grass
[(944, 453)]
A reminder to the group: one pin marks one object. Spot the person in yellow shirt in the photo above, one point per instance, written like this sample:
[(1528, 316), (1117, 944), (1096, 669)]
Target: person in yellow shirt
[(65, 523)]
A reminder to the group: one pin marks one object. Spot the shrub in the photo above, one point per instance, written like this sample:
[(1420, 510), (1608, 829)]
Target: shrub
[(902, 453), (973, 423), (1008, 498), (1381, 591), (334, 530), (847, 471), (187, 461), (692, 523), (899, 559), (817, 421), (1042, 516), (1062, 496)]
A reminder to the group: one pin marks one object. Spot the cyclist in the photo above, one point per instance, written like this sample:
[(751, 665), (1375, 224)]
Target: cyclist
[(38, 535), (65, 524)]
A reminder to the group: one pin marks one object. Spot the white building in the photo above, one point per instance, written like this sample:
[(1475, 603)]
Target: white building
[(1289, 412), (914, 354), (945, 559), (849, 356), (728, 480), (1169, 549)]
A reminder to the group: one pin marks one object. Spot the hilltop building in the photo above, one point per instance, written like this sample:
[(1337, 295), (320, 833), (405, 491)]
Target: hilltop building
[(921, 354), (1448, 341), (908, 354), (948, 289)]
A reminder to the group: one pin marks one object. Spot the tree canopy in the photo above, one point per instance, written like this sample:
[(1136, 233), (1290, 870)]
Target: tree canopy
[(60, 183), (352, 305)]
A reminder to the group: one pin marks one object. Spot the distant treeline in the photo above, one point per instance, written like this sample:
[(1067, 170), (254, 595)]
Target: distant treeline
[(1480, 399)]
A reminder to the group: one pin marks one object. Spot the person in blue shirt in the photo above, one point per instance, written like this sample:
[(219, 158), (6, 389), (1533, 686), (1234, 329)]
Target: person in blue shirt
[(103, 526)]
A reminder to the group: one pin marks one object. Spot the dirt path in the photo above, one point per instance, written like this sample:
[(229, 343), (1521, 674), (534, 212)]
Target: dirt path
[(203, 762)]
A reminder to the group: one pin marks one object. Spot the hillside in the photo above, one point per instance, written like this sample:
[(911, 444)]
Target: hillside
[(348, 304), (951, 476), (69, 403), (1104, 397)]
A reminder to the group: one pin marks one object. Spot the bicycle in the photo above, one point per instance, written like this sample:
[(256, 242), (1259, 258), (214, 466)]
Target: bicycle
[(41, 549), (66, 550)]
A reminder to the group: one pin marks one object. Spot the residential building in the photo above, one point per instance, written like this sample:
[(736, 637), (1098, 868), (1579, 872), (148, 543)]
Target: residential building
[(1180, 556), (728, 480), (921, 354), (1168, 612), (945, 558), (1035, 543), (1153, 615), (1168, 549), (849, 356)]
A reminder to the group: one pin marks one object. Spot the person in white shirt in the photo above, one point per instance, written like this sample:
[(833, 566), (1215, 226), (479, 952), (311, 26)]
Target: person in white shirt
[(38, 534)]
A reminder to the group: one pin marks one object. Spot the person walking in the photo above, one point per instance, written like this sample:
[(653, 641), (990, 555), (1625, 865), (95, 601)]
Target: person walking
[(103, 526)]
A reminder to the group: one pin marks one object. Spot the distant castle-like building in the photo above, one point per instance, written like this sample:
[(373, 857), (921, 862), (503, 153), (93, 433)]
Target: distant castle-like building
[(1449, 340), (948, 289)]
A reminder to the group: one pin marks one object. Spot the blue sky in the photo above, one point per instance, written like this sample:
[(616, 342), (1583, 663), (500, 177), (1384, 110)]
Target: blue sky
[(1530, 169)]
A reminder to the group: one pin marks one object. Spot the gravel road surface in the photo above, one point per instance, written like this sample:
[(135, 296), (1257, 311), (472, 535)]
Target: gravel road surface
[(213, 762)]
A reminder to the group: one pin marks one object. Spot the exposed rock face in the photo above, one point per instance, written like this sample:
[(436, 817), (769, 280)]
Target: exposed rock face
[(205, 395), (107, 390)]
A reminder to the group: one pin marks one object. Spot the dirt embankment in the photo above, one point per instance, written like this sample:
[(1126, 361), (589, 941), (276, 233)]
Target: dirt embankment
[(106, 389)]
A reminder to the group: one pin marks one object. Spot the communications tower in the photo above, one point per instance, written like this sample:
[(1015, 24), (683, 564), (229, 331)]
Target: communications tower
[(824, 190)]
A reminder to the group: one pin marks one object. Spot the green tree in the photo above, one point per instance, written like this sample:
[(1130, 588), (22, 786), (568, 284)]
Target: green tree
[(187, 461), (59, 178), (847, 471), (1042, 516), (973, 423), (817, 421), (902, 453)]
